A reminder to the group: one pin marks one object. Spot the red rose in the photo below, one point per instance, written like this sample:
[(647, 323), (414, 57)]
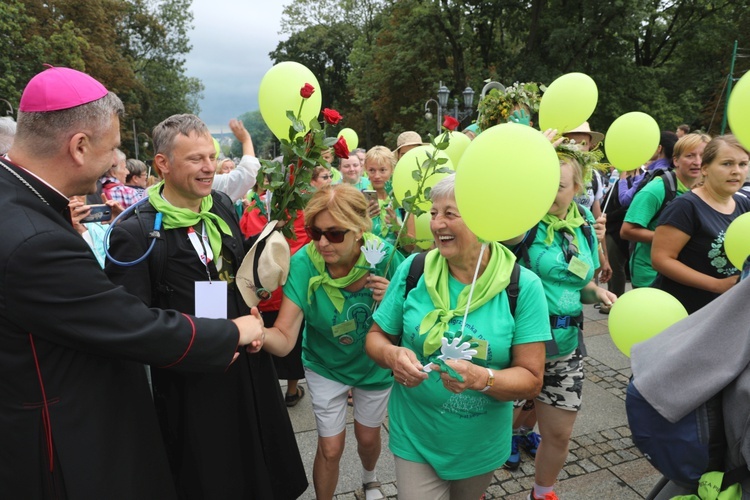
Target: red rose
[(341, 149), (306, 91), (450, 123), (331, 116)]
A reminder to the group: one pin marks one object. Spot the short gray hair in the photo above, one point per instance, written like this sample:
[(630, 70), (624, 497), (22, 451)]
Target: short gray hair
[(165, 133), (43, 133), (445, 188), (7, 132)]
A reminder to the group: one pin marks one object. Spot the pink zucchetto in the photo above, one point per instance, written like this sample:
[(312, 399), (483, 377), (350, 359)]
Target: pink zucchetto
[(59, 88)]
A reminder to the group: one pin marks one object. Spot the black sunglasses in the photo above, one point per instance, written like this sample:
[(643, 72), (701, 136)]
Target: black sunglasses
[(324, 177), (332, 235)]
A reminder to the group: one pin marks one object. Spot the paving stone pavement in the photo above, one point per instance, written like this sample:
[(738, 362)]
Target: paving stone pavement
[(602, 463)]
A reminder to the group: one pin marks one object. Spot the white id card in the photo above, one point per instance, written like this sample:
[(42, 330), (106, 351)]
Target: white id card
[(211, 299)]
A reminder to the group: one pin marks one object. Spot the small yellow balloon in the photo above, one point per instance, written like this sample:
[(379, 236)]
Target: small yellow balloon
[(424, 236), (457, 144), (351, 138), (279, 92), (640, 314), (403, 176), (737, 240), (631, 140), (568, 101)]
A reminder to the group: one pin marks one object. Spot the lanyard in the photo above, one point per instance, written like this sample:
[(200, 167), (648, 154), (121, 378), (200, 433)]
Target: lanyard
[(202, 247)]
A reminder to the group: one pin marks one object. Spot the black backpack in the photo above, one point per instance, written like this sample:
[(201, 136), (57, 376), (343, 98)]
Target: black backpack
[(416, 270), (157, 261), (669, 177)]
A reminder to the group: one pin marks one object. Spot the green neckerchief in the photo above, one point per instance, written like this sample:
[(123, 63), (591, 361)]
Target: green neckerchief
[(493, 280), (175, 217), (259, 204), (571, 221), (332, 287)]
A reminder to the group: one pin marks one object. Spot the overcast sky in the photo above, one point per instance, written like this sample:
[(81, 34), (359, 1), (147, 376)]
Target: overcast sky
[(231, 42)]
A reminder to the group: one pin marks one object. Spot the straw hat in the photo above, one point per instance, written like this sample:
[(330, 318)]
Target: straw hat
[(596, 137), (408, 138), (265, 267)]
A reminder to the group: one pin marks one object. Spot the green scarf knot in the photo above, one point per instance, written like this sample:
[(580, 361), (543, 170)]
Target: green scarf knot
[(332, 287), (493, 280), (572, 220), (174, 217)]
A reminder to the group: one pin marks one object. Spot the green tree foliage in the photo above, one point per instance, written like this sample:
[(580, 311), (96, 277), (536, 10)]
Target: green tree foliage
[(667, 58), (136, 48)]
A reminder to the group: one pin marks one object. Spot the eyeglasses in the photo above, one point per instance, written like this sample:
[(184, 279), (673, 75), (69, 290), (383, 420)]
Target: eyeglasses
[(324, 177), (332, 235)]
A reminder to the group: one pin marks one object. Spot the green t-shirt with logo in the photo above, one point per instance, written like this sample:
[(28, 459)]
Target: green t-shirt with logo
[(646, 203), (459, 435), (333, 343), (563, 283)]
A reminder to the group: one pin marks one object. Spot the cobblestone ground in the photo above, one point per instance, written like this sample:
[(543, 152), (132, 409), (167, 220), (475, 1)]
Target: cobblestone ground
[(588, 453)]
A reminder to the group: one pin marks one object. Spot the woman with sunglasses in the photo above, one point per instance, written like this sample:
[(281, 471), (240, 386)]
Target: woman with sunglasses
[(321, 177), (449, 437), (334, 284)]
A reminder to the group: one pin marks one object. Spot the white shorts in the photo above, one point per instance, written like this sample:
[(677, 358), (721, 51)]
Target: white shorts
[(329, 404)]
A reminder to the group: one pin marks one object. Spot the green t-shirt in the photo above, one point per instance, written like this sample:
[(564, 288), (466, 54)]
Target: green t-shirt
[(646, 203), (459, 435), (562, 287), (380, 228), (333, 343), (364, 183)]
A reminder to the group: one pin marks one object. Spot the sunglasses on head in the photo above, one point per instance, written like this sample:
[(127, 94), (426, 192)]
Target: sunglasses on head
[(332, 235)]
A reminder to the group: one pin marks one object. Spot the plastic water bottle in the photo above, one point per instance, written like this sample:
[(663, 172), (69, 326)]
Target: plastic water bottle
[(614, 176)]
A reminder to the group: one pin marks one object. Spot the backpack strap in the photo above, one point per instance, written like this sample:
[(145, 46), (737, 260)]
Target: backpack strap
[(416, 270), (157, 261), (521, 251), (586, 228)]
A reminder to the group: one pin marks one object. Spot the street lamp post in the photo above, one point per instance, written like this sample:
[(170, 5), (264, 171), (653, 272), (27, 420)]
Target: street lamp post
[(442, 104)]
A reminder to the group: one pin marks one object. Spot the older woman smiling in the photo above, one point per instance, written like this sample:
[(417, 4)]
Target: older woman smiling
[(449, 437)]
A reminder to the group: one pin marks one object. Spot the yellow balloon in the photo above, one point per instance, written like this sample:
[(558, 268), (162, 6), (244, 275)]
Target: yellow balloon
[(279, 92), (568, 101), (217, 146), (737, 240), (351, 138), (457, 144), (424, 236), (737, 110), (640, 314), (631, 140), (506, 181), (412, 160)]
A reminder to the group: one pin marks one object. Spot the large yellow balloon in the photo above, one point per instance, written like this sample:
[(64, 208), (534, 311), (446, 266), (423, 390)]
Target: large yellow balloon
[(631, 140), (737, 240), (351, 138), (568, 101), (279, 93), (424, 236), (456, 146), (738, 110), (506, 181), (640, 314), (412, 160)]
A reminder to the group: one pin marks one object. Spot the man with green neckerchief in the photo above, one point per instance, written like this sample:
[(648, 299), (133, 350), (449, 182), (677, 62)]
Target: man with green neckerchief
[(335, 282)]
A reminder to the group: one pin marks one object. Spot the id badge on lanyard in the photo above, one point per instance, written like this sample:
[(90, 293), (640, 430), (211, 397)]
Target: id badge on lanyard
[(211, 295)]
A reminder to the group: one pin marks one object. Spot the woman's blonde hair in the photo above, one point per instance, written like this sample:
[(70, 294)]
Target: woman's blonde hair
[(578, 175), (380, 155), (689, 142), (344, 202)]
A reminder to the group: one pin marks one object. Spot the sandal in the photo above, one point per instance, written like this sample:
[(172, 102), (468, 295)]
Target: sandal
[(372, 485), (293, 399)]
